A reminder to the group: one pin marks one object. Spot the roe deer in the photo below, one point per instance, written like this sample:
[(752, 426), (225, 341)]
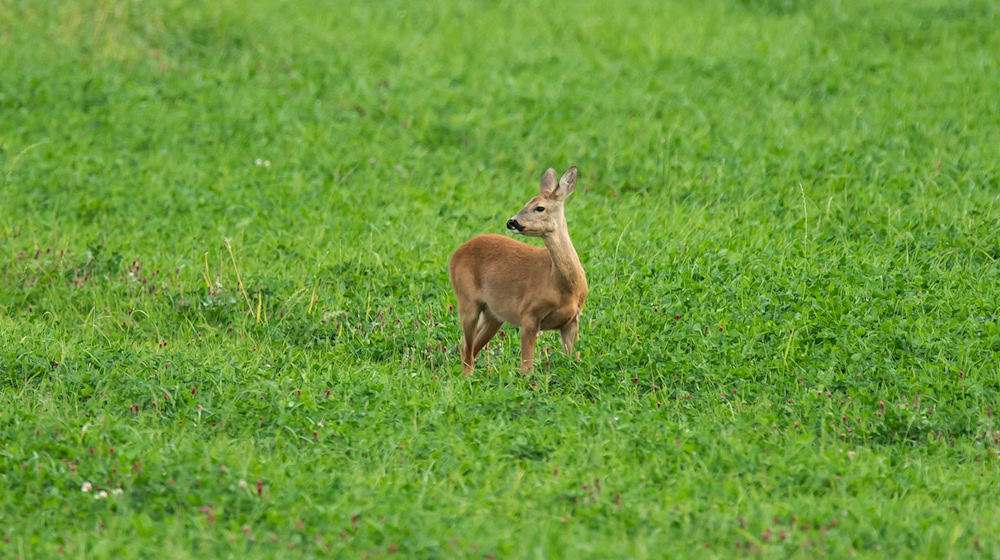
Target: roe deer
[(499, 280)]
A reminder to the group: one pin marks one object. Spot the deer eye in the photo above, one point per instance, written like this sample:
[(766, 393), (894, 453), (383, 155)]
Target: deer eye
[(539, 208)]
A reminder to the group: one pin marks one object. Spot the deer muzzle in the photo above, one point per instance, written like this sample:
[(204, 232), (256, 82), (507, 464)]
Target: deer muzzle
[(512, 225)]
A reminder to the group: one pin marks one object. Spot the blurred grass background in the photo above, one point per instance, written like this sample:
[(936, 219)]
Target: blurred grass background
[(788, 213)]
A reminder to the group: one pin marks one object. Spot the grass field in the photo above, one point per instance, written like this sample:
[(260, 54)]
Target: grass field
[(788, 211)]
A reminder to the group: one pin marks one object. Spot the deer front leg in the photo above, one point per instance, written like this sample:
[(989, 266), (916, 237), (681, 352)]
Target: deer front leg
[(529, 332), (569, 333)]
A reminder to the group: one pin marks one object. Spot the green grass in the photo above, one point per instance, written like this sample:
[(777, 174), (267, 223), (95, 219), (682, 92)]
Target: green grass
[(788, 212)]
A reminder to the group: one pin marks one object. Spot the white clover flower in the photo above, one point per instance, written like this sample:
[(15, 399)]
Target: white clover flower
[(87, 487), (101, 495), (242, 484)]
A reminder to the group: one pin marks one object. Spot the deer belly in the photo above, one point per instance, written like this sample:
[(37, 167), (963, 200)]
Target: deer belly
[(503, 309), (503, 297), (559, 317), (505, 315)]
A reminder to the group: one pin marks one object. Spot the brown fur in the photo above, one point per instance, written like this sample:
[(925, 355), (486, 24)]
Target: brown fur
[(499, 280)]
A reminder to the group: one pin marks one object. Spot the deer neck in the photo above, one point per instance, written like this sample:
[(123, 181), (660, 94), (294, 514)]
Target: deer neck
[(566, 268)]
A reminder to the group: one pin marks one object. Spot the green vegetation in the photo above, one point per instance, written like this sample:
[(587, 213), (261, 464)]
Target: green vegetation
[(788, 212)]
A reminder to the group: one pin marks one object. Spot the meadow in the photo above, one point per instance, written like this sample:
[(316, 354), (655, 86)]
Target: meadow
[(227, 330)]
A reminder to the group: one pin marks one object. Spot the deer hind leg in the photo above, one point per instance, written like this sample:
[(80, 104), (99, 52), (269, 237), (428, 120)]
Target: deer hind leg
[(487, 327), (529, 333), (569, 333), (469, 313)]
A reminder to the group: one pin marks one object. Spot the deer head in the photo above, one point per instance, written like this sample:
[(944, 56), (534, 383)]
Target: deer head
[(543, 214)]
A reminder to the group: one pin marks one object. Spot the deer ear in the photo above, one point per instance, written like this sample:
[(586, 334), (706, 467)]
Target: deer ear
[(567, 184), (548, 181)]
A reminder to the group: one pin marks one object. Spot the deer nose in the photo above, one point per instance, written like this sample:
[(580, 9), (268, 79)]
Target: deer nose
[(512, 225)]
